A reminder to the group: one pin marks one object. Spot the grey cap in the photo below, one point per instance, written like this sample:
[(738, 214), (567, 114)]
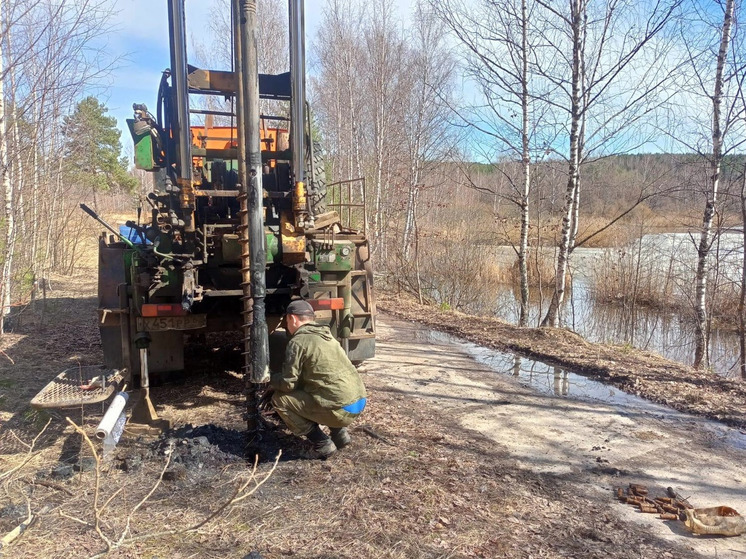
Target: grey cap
[(300, 307)]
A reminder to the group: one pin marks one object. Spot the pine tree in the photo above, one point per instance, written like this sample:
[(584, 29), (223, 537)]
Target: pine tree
[(93, 148)]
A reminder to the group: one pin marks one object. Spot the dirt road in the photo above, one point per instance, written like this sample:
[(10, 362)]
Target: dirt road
[(589, 446), (450, 459)]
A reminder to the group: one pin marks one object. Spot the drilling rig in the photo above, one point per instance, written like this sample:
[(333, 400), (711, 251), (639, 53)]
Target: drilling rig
[(240, 220)]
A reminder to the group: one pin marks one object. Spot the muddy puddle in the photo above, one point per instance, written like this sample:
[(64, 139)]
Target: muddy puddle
[(556, 381)]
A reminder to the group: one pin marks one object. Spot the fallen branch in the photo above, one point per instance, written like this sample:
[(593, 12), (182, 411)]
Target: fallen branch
[(47, 484), (8, 356), (29, 453), (63, 514), (97, 487), (126, 530), (240, 493), (13, 535), (370, 432)]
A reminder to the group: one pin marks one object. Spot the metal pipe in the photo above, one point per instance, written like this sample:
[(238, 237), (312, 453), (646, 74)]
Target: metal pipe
[(208, 112), (144, 371), (252, 411), (179, 91), (312, 168), (297, 86), (180, 97), (249, 76)]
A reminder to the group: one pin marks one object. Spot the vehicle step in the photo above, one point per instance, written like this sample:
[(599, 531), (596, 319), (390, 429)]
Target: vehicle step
[(65, 390)]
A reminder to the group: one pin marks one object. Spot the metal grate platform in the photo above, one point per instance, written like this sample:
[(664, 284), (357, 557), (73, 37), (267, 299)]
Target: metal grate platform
[(65, 389)]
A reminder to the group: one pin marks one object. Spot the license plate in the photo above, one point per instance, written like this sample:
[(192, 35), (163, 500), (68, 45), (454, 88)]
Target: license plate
[(161, 323)]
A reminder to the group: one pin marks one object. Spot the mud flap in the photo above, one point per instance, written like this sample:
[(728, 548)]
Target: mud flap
[(111, 274)]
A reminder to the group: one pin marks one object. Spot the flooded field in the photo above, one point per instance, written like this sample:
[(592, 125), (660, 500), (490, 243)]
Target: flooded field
[(669, 333)]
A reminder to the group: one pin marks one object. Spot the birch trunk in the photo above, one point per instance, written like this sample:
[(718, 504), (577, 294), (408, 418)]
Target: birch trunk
[(414, 176), (16, 175), (409, 222), (526, 161), (35, 225), (701, 351), (10, 236), (742, 299), (573, 179), (378, 220)]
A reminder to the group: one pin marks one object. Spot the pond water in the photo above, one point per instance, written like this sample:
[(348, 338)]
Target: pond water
[(669, 334)]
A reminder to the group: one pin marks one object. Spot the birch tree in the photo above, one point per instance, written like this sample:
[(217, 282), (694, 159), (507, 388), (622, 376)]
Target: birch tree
[(386, 86), (701, 352), (8, 213), (429, 139), (498, 39), (616, 74), (361, 94), (337, 88), (741, 204), (52, 52)]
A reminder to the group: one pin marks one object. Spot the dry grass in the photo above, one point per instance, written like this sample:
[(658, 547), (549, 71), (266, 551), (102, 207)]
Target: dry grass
[(433, 490), (541, 267), (724, 304), (452, 270), (623, 276), (595, 231), (632, 277)]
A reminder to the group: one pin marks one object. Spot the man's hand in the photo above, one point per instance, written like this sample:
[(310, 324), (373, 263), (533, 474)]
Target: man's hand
[(265, 401)]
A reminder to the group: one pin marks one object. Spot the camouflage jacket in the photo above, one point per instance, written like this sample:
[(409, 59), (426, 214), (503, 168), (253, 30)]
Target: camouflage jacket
[(316, 364)]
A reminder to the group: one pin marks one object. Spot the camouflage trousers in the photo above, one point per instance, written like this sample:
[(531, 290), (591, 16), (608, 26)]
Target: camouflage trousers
[(300, 412)]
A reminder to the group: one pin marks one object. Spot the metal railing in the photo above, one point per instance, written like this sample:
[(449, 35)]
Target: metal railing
[(348, 199)]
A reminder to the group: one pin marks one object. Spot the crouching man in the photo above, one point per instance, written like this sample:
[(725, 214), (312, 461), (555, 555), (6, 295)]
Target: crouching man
[(318, 385)]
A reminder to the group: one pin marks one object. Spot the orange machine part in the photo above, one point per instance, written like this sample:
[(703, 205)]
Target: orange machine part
[(334, 304), (162, 309), (224, 137)]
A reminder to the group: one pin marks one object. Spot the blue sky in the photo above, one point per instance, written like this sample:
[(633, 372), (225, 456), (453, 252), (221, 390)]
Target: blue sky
[(141, 46), (140, 43)]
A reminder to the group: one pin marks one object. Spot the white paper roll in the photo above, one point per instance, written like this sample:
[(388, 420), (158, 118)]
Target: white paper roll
[(112, 414)]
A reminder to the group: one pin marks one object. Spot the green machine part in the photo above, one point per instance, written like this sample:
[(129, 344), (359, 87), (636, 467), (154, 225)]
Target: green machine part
[(273, 246), (231, 247), (143, 146), (337, 257)]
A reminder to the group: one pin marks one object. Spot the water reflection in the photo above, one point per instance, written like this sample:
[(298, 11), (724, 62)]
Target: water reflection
[(563, 383), (550, 379), (669, 334)]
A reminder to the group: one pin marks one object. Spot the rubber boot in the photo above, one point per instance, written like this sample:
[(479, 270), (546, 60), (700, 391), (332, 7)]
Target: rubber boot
[(340, 437), (321, 442)]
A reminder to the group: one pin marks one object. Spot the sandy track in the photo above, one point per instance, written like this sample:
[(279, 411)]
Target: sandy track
[(589, 444)]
